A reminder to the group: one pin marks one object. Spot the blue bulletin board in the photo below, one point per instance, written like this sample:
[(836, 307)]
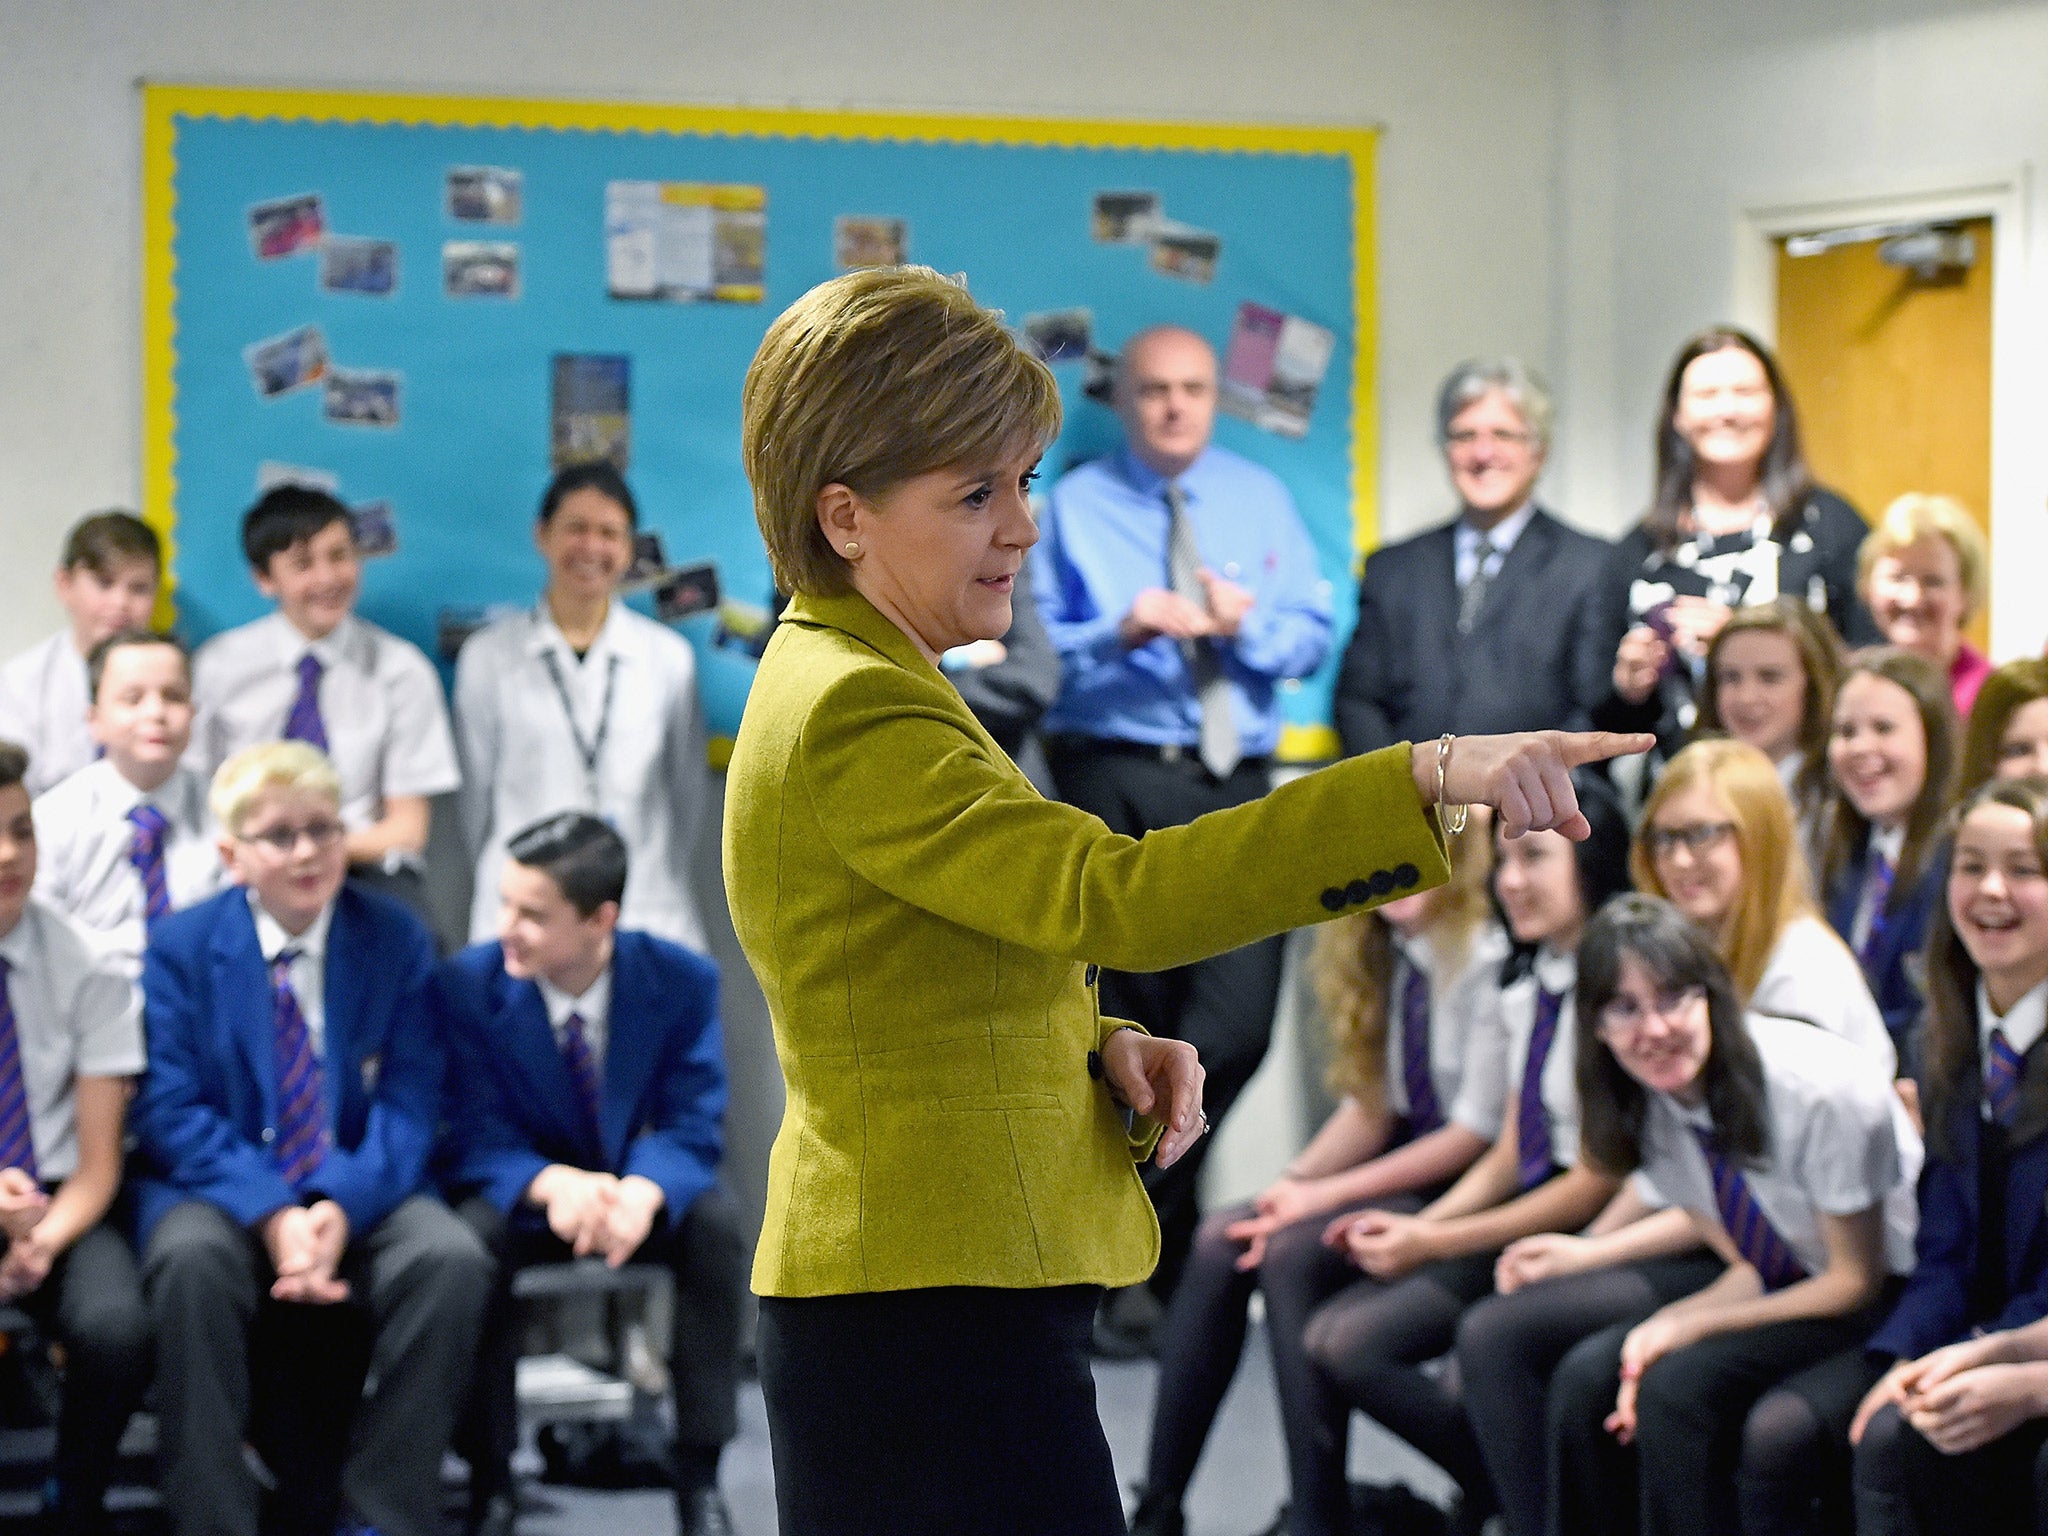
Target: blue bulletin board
[(1279, 218)]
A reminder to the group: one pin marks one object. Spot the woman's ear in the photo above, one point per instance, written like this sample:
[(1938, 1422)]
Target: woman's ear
[(841, 516)]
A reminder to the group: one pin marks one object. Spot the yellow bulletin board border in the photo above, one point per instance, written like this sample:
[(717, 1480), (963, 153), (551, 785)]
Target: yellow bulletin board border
[(164, 104)]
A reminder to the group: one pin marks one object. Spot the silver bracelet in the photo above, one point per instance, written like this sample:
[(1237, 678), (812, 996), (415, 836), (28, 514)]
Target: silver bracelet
[(1454, 822)]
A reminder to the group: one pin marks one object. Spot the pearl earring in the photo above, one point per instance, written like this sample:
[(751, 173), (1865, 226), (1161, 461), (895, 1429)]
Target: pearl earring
[(852, 549)]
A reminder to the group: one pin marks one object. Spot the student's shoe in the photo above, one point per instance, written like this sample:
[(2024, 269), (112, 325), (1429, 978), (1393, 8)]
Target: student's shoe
[(702, 1512)]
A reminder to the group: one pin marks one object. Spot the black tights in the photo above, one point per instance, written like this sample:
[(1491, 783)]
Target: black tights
[(1905, 1487)]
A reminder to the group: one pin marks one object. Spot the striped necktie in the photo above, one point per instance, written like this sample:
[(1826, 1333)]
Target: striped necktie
[(304, 722), (146, 853), (1877, 888), (1755, 1238), (1473, 598), (583, 1075), (1425, 1114), (2002, 1070), (1221, 747), (17, 1139), (1535, 1155), (303, 1140)]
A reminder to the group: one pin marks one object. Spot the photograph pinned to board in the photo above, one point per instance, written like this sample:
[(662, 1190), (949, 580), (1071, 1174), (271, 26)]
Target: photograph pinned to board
[(589, 417), (485, 194), (285, 226), (280, 364), (1274, 368), (686, 590), (352, 265), (1182, 251), (480, 269), (376, 528), (1060, 335), (1098, 376), (272, 473), (362, 397), (686, 242), (650, 561), (862, 240), (1125, 218)]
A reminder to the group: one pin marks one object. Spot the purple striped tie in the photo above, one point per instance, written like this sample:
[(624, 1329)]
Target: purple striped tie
[(303, 1140), (1755, 1237), (1878, 892), (2002, 1078), (146, 853), (1532, 1121), (1424, 1112), (304, 722), (583, 1073), (17, 1141)]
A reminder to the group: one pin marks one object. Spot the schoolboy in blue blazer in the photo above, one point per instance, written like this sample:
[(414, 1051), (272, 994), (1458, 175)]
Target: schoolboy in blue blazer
[(284, 1125), (585, 1116)]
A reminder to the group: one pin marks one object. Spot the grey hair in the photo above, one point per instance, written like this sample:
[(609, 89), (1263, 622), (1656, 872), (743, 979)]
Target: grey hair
[(1477, 377)]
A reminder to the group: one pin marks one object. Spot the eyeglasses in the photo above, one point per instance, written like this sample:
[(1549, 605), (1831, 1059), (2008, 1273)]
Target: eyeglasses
[(1624, 1016), (1467, 438), (283, 841), (1695, 839)]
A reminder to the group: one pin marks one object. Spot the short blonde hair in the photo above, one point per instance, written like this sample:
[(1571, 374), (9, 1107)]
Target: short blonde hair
[(1916, 516), (868, 381), (243, 778)]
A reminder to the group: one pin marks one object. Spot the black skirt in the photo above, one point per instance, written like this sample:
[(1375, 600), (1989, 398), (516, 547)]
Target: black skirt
[(929, 1412)]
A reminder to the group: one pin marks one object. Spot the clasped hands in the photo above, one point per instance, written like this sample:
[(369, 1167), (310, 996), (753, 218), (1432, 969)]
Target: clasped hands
[(28, 1258), (305, 1243), (597, 1212), (1156, 611), (1961, 1397)]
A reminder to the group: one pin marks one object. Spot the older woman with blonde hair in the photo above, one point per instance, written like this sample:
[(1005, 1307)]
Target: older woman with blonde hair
[(1924, 573), (955, 1177)]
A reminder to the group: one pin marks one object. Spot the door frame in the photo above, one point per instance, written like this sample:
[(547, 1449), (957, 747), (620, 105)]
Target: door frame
[(2019, 620)]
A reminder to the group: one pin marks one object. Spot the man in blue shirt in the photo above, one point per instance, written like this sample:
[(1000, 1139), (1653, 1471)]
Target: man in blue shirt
[(1180, 589)]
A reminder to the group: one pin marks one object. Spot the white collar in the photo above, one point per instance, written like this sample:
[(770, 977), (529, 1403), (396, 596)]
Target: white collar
[(592, 1003), (16, 945), (2023, 1024), (121, 794), (1556, 971), (547, 634), (331, 647), (1789, 767), (1888, 841), (273, 940), (1503, 534)]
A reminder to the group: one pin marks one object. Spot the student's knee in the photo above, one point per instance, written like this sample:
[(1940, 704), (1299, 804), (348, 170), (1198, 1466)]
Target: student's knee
[(1781, 1438), (1487, 1335), (1669, 1407), (1584, 1385), (1885, 1456), (196, 1251), (444, 1253)]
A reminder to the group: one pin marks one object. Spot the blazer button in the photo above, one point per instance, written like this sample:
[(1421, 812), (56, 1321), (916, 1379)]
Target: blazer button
[(1095, 1065), (269, 1135), (1382, 882), (1089, 973), (1407, 876), (1335, 899), (1358, 892)]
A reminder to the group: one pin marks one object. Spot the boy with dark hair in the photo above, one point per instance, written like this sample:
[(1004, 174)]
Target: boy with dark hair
[(589, 1121), (70, 1045), (107, 581), (127, 839), (283, 1128), (313, 671)]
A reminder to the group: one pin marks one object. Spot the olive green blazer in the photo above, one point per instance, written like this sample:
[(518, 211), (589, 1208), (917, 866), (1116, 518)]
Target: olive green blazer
[(927, 929)]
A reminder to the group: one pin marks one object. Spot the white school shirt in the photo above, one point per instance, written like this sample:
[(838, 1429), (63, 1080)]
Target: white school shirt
[(1458, 1036), (42, 707), (380, 702), (1812, 976), (2023, 1025), (309, 965), (1839, 1142), (521, 760), (1889, 842), (75, 1015), (1512, 1015), (593, 1006), (83, 838)]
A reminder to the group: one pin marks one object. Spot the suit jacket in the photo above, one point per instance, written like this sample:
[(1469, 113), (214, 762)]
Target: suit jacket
[(1893, 968), (926, 930), (1936, 1306), (513, 1109), (1535, 659), (206, 1113)]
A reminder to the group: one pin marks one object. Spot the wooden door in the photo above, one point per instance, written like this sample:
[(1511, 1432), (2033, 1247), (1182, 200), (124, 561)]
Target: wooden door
[(1892, 374)]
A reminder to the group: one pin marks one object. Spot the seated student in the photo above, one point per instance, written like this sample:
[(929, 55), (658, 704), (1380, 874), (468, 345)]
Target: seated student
[(1983, 1266), (1402, 987), (585, 1117), (1795, 1161), (70, 1044), (283, 1128), (2007, 734), (314, 672), (127, 839), (107, 583), (1891, 761), (1368, 1342)]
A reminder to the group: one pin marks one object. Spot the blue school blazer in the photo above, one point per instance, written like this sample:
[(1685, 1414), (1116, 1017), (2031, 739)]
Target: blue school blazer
[(1935, 1308), (206, 1114), (1894, 968), (512, 1109)]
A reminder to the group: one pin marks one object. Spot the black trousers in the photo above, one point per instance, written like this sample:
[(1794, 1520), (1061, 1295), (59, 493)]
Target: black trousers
[(1905, 1487), (1508, 1346), (1223, 1006), (91, 1302), (1733, 1434), (707, 1256), (234, 1365), (936, 1412)]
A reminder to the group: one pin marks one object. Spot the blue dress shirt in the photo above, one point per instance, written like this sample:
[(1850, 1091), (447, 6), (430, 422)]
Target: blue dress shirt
[(1102, 541)]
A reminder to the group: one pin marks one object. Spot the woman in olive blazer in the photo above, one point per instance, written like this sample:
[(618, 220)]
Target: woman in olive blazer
[(955, 1176)]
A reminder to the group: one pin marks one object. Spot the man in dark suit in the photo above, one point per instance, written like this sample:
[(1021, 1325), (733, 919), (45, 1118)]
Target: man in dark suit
[(586, 1116), (1488, 623)]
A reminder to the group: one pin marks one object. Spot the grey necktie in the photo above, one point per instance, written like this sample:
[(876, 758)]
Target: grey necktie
[(1473, 598), (1221, 747)]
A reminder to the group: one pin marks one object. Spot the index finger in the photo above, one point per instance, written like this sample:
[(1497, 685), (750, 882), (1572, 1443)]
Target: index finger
[(1580, 747)]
